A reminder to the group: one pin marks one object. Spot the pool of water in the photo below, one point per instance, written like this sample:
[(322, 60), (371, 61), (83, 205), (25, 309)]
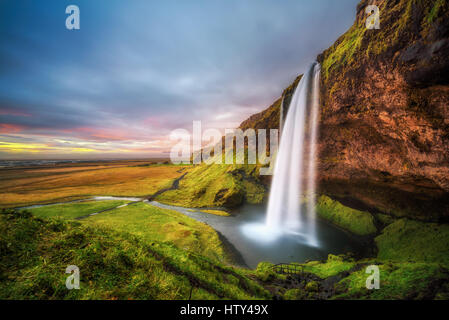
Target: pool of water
[(245, 231)]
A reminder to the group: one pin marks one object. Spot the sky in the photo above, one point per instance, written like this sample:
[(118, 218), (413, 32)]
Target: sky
[(136, 70)]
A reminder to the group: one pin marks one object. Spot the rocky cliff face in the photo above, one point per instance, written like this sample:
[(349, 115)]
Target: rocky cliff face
[(384, 123), (385, 111)]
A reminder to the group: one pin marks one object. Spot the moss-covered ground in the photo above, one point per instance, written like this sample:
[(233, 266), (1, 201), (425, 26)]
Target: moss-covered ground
[(35, 252), (398, 280), (355, 221), (411, 241), (333, 266)]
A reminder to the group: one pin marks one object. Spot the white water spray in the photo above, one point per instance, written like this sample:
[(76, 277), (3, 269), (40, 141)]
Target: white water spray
[(295, 170)]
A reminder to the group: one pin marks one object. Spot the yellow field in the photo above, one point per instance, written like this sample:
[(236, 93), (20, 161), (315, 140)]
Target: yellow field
[(25, 186)]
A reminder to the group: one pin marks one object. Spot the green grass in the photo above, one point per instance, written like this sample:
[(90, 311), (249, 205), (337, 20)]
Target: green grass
[(216, 186), (69, 211), (398, 281), (35, 252), (156, 224), (408, 240), (355, 221), (333, 266)]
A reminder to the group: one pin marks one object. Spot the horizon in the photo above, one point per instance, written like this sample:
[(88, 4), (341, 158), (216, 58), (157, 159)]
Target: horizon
[(117, 87)]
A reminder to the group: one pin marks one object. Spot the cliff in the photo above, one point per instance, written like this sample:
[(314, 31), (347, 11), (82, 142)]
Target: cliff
[(385, 111), (384, 120)]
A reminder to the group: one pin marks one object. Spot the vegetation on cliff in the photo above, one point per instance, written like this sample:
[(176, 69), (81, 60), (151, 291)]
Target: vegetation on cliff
[(355, 221), (217, 186)]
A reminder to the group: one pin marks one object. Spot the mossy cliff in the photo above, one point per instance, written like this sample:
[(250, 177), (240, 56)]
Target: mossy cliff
[(355, 221), (384, 111)]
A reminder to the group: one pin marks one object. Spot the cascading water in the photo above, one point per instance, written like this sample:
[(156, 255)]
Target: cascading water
[(295, 168)]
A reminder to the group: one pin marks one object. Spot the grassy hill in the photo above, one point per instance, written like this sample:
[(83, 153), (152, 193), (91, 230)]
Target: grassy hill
[(35, 252)]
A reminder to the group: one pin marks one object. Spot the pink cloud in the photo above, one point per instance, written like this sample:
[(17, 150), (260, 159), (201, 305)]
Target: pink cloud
[(10, 128), (100, 133)]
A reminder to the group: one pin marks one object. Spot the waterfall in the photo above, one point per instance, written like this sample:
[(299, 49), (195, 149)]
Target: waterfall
[(291, 205)]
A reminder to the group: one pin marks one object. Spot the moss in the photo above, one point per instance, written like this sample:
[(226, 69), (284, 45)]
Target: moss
[(343, 51), (294, 294), (355, 221), (265, 272), (385, 219), (333, 266), (408, 240), (397, 281), (217, 212), (312, 286), (401, 23), (433, 14)]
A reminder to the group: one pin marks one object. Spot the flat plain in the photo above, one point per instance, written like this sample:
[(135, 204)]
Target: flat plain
[(23, 186)]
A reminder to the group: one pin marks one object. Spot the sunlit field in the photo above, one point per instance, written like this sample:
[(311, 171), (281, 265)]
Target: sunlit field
[(26, 186)]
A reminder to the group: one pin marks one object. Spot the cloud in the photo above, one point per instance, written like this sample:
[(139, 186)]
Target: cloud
[(10, 128), (137, 70)]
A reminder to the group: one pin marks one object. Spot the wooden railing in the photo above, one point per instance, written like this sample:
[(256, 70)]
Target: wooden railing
[(287, 268)]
